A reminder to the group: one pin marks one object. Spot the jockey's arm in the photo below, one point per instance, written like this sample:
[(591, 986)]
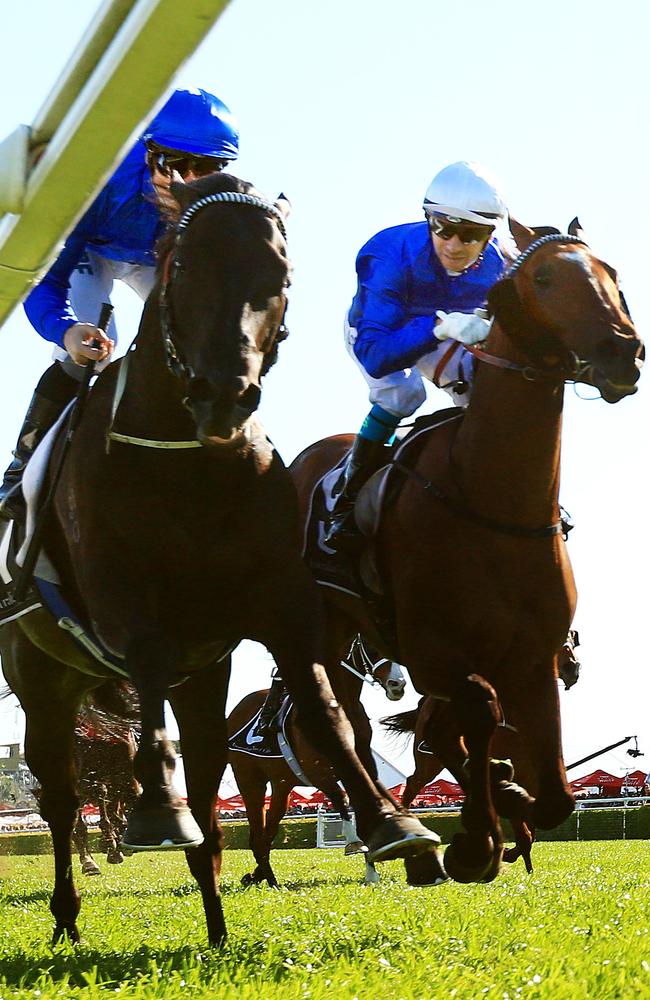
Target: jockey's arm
[(48, 306)]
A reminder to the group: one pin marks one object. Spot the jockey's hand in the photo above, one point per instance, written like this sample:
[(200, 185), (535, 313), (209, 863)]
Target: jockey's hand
[(78, 340), (466, 329)]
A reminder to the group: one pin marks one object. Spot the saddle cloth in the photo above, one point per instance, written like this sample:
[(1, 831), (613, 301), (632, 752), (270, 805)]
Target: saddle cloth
[(357, 577), (270, 746)]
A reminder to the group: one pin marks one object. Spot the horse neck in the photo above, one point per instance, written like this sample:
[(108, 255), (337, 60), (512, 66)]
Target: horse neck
[(507, 453), (152, 404)]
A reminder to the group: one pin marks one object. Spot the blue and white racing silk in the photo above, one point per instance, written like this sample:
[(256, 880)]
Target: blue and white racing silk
[(123, 224), (401, 285)]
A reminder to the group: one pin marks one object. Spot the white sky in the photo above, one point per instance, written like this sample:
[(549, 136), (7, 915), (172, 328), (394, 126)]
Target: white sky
[(350, 108)]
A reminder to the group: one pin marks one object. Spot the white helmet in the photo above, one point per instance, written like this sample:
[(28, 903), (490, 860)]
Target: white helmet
[(467, 192)]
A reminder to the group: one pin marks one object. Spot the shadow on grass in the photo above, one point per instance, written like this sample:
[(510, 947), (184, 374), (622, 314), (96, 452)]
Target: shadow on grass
[(76, 965)]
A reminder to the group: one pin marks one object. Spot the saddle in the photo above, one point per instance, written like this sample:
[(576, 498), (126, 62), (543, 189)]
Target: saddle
[(359, 576), (270, 745)]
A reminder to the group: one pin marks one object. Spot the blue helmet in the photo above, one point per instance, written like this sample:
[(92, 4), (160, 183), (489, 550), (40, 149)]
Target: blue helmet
[(194, 121)]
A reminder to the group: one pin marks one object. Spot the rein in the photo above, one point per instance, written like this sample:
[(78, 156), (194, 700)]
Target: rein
[(174, 361)]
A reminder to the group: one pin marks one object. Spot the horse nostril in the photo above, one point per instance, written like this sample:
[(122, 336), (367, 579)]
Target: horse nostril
[(250, 398), (200, 391)]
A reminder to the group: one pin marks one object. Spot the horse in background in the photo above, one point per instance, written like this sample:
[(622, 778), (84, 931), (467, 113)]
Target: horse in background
[(201, 550), (106, 741), (253, 773), (477, 499)]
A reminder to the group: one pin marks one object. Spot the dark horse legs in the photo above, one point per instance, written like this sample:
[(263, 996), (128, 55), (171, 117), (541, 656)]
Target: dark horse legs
[(50, 695), (199, 706)]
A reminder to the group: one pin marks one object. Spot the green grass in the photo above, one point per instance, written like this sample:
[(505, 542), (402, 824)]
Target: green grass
[(578, 927)]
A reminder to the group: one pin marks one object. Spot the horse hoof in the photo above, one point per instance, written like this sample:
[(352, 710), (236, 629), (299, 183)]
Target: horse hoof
[(247, 880), (427, 869), (163, 828), (90, 868), (356, 847), (400, 836), (462, 869), (115, 858)]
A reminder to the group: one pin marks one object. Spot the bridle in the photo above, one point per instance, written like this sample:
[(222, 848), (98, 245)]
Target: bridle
[(177, 365), (576, 367), (175, 361), (357, 650)]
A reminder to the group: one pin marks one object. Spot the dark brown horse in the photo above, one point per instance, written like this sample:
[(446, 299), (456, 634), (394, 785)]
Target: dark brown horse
[(254, 773), (175, 534), (470, 547)]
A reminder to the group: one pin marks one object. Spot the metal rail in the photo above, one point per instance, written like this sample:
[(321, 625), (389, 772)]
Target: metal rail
[(111, 86)]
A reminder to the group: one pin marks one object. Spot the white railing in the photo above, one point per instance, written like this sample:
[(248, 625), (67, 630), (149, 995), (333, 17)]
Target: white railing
[(113, 83)]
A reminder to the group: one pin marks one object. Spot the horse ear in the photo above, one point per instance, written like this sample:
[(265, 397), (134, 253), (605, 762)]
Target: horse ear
[(183, 194), (523, 236), (283, 204), (575, 229)]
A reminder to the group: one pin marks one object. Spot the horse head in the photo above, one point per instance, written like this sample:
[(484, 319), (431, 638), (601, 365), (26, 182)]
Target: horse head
[(391, 677), (563, 309), (222, 301)]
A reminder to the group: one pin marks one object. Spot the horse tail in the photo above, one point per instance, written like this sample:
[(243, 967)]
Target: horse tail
[(116, 697), (403, 722), (5, 692)]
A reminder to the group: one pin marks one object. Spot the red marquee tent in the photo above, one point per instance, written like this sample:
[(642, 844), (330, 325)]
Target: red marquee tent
[(599, 779), (441, 789), (636, 779)]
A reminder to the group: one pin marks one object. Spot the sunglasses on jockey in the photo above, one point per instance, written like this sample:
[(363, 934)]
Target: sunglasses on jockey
[(166, 161), (447, 226)]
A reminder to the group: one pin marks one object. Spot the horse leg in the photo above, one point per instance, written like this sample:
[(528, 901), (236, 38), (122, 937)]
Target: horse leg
[(388, 834), (199, 705), (50, 695), (535, 712), (80, 837), (280, 792), (159, 818), (475, 856), (251, 782), (524, 838)]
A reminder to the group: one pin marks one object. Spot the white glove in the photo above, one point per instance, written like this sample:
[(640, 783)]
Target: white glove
[(466, 329)]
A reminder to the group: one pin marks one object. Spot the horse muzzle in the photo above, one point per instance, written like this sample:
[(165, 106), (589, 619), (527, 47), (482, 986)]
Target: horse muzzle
[(616, 367), (222, 418)]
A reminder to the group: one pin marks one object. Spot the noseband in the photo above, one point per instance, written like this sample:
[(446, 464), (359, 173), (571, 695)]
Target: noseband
[(175, 362)]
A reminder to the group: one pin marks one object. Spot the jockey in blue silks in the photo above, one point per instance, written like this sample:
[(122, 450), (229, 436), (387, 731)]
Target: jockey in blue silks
[(419, 285), (193, 134)]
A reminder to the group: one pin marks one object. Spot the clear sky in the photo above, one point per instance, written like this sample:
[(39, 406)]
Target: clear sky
[(350, 109)]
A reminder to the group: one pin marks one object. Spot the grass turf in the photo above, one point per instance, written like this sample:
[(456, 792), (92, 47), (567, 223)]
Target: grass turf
[(578, 927)]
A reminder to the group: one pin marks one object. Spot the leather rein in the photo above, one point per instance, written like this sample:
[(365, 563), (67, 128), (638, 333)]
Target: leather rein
[(173, 358)]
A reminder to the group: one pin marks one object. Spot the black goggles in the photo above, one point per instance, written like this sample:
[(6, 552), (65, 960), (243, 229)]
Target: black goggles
[(467, 232), (166, 162)]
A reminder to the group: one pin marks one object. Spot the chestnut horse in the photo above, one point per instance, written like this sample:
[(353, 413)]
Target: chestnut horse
[(252, 773), (175, 533), (469, 546)]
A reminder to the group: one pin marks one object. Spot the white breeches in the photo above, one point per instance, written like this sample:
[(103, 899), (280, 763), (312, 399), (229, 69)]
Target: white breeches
[(403, 392), (91, 284)]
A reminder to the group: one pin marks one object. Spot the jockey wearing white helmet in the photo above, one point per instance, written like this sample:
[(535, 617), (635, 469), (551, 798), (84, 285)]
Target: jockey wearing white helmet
[(419, 285), (193, 134)]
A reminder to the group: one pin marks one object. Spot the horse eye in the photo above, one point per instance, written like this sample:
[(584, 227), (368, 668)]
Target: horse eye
[(542, 277)]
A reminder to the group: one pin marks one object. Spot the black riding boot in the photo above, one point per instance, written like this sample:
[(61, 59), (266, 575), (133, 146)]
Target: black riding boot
[(52, 394), (366, 457), (267, 722)]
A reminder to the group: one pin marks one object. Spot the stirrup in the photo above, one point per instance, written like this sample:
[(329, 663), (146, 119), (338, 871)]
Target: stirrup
[(343, 534)]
